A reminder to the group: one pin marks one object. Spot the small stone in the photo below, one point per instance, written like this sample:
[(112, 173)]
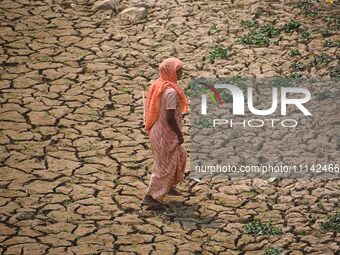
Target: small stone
[(25, 216), (133, 14), (107, 5)]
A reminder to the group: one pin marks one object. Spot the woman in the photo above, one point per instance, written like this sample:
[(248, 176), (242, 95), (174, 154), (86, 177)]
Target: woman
[(164, 102)]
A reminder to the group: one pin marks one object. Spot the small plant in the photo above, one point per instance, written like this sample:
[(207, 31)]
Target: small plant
[(292, 26), (295, 76), (249, 23), (67, 202), (259, 36), (294, 52), (332, 224), (305, 36), (272, 251), (335, 74), (254, 38), (213, 30), (321, 59), (298, 66), (331, 44), (306, 7), (325, 32), (218, 52), (256, 227)]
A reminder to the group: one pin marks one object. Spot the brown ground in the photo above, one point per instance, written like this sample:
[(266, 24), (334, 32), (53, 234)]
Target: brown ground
[(75, 160)]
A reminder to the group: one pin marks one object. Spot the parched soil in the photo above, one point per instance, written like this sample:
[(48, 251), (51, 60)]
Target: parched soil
[(76, 161)]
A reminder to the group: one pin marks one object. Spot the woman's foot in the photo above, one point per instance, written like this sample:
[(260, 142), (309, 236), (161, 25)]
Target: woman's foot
[(174, 192), (151, 202)]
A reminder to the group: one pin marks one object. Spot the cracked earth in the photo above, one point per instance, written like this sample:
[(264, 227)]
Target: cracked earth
[(76, 161)]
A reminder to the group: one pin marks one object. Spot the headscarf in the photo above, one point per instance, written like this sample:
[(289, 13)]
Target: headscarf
[(168, 78)]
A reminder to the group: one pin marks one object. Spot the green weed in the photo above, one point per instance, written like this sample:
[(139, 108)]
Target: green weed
[(335, 74), (332, 224), (321, 59), (305, 36), (331, 44), (213, 30), (272, 251), (294, 52), (256, 227), (292, 26), (249, 23), (298, 66), (261, 36), (218, 52)]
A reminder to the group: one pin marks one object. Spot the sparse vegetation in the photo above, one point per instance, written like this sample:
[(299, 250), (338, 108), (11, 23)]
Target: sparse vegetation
[(331, 44), (335, 74), (325, 32), (260, 36), (272, 251), (249, 23), (305, 36), (332, 224), (298, 66), (294, 52), (256, 227), (219, 52), (321, 59), (292, 26), (213, 30)]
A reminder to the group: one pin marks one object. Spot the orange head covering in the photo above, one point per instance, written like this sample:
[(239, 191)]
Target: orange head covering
[(168, 78)]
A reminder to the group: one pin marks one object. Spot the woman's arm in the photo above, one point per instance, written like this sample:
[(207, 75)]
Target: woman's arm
[(170, 117)]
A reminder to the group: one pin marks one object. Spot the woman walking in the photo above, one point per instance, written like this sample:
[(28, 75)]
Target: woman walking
[(164, 102)]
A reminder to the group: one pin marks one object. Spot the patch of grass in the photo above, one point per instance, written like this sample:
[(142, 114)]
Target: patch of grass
[(294, 52), (261, 36), (272, 251), (292, 26), (307, 8), (331, 44), (295, 75), (333, 21), (321, 59), (249, 23), (304, 5), (335, 74), (325, 32), (219, 52), (256, 227), (305, 36), (298, 66), (332, 224), (254, 38), (213, 30), (67, 202)]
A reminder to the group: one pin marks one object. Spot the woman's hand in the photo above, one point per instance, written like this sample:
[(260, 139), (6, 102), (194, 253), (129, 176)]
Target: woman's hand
[(180, 139)]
